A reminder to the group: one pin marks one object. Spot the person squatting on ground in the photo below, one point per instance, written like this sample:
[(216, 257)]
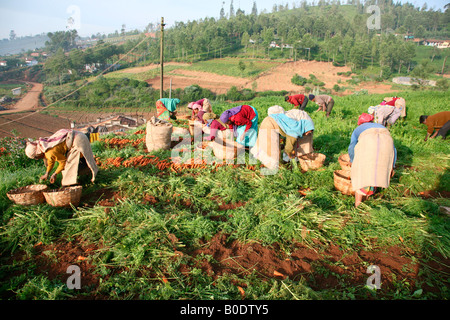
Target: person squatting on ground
[(71, 149), (324, 101), (298, 100), (372, 157), (438, 124)]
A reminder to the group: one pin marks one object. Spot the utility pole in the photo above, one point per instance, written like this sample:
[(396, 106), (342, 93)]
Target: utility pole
[(162, 58), (443, 65)]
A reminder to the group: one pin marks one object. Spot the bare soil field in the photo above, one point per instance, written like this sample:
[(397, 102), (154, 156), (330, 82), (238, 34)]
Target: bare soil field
[(31, 124), (278, 78), (150, 67)]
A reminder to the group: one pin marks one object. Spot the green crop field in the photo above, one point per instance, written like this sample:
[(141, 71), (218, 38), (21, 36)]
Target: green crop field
[(144, 231)]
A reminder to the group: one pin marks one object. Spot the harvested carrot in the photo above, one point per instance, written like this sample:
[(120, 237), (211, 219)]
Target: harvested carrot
[(241, 291), (278, 274)]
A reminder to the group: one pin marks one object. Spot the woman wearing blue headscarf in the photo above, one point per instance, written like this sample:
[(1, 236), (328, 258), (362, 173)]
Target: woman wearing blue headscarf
[(267, 147), (166, 108)]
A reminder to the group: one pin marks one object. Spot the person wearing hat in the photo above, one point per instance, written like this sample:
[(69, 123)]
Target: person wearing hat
[(438, 124), (298, 100), (324, 101), (71, 149), (372, 157)]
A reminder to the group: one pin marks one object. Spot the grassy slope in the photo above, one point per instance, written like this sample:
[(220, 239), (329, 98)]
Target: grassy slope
[(134, 239)]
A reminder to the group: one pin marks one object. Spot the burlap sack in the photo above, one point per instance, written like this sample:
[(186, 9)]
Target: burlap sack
[(226, 150), (158, 134)]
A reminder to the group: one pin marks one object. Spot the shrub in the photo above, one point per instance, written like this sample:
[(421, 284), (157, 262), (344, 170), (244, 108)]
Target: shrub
[(442, 84), (298, 80)]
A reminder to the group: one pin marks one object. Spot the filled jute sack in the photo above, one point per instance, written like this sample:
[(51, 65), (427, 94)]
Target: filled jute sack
[(228, 149), (158, 135)]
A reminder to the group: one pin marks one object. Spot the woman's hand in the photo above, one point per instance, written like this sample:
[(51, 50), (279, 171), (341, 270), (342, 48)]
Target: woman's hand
[(53, 178), (44, 177)]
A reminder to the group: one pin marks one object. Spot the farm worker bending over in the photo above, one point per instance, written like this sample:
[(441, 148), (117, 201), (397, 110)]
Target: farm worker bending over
[(70, 148), (267, 147), (166, 108), (372, 156), (244, 122), (397, 102), (325, 102), (384, 114), (304, 144), (199, 108), (298, 100), (438, 124)]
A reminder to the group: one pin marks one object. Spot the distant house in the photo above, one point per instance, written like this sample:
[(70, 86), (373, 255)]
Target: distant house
[(30, 62), (91, 67), (3, 63), (35, 54), (273, 44)]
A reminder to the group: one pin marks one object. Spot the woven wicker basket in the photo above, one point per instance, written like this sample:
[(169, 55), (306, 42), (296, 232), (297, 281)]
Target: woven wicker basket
[(311, 161), (343, 183), (344, 161), (28, 195), (184, 116), (64, 196)]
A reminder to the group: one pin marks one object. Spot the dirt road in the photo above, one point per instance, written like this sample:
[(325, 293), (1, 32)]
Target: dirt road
[(29, 102)]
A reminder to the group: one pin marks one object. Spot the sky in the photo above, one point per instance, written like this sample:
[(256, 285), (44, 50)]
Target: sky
[(31, 17)]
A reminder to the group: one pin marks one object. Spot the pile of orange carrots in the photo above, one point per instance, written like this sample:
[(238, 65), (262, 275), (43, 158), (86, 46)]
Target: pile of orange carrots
[(142, 161), (122, 142)]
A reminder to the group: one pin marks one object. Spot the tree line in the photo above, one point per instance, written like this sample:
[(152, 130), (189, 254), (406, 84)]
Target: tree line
[(329, 31)]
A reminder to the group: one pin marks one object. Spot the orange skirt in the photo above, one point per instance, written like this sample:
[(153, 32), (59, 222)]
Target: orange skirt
[(161, 111)]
